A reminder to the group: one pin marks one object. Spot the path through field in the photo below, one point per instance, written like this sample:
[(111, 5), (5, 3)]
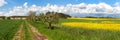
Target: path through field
[(36, 34), (20, 35)]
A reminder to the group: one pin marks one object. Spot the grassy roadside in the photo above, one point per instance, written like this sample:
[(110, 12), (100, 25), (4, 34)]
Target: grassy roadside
[(67, 33)]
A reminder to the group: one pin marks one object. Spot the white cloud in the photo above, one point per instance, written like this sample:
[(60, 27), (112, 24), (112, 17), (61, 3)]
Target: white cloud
[(25, 5), (2, 2), (69, 8), (17, 11), (1, 13)]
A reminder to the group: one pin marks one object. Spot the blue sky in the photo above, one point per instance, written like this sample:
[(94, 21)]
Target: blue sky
[(104, 6), (12, 3)]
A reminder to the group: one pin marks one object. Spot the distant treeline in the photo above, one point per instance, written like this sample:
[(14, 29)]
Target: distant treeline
[(32, 15), (97, 17)]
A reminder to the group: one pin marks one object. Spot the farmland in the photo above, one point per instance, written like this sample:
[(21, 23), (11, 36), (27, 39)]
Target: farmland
[(17, 30), (103, 25), (8, 28), (68, 29), (82, 29)]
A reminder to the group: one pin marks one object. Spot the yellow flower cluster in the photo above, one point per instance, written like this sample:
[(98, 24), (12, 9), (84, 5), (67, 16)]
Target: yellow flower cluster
[(102, 25), (96, 18)]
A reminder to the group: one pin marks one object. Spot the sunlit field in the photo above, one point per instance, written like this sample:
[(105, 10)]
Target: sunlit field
[(95, 18), (82, 29), (105, 25)]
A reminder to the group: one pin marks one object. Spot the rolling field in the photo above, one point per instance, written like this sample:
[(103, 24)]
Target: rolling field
[(8, 28), (82, 29), (69, 29)]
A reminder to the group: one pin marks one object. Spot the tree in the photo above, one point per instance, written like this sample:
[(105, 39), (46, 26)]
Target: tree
[(51, 17), (41, 18), (31, 15)]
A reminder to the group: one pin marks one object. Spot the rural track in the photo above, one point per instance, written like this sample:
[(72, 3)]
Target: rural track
[(20, 34), (36, 34)]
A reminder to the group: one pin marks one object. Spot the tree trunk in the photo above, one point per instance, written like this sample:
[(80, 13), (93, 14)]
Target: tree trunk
[(50, 25)]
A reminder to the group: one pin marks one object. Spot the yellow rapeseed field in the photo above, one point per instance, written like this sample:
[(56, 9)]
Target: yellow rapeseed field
[(103, 25), (96, 18)]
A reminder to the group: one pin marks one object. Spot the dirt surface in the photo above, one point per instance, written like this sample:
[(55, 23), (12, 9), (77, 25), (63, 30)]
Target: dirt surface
[(20, 34), (36, 34)]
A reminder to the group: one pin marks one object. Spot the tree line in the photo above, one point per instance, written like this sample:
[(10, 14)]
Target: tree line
[(48, 17)]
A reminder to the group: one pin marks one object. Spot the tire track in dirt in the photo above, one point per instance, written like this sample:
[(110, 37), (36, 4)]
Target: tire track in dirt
[(20, 34), (36, 34)]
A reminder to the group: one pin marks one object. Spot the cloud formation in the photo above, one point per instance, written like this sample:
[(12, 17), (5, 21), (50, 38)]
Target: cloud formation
[(1, 13), (2, 2), (68, 9)]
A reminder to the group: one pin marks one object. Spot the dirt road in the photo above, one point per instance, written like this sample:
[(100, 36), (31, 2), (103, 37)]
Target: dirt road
[(20, 34), (37, 35)]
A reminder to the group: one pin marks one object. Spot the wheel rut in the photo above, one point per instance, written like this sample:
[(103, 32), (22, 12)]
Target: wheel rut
[(20, 34), (36, 34)]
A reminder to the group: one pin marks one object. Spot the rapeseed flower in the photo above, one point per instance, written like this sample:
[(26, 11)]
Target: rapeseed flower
[(102, 25)]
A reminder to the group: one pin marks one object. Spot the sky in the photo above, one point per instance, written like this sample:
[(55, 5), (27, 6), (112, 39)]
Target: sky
[(22, 7)]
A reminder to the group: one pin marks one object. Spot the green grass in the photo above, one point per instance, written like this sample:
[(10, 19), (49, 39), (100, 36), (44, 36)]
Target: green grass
[(28, 33), (8, 28), (67, 33)]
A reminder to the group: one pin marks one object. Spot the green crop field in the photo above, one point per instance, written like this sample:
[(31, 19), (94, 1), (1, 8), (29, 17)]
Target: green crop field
[(8, 28)]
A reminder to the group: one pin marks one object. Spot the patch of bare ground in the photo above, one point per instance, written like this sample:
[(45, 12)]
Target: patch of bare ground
[(20, 34), (36, 34)]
